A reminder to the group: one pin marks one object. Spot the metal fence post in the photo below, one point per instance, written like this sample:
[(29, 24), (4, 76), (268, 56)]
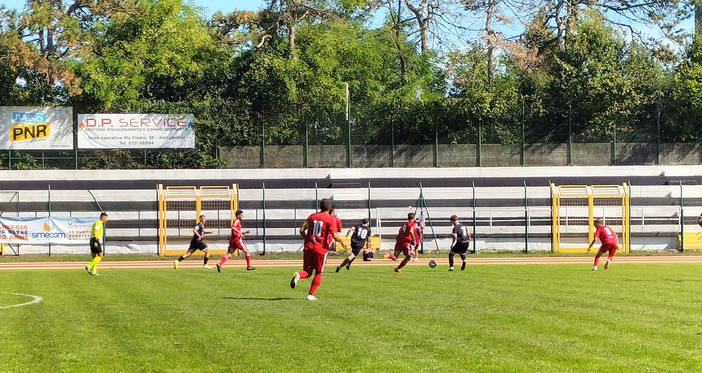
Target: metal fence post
[(658, 135), (475, 241), (392, 144), (263, 188), (682, 220), (436, 146), (570, 135), (478, 160), (614, 145), (49, 194), (526, 221), (521, 158), (263, 145), (306, 150), (348, 128), (369, 203)]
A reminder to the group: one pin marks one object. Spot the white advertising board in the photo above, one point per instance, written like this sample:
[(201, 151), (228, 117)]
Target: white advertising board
[(36, 128), (46, 230), (135, 131)]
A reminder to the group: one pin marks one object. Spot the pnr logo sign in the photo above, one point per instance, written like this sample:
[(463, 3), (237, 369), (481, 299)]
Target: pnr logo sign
[(28, 126)]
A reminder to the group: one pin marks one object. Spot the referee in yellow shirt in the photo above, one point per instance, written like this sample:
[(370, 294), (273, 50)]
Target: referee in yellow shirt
[(95, 246)]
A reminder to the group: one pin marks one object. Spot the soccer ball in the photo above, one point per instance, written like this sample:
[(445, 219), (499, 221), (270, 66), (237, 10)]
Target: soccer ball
[(432, 264)]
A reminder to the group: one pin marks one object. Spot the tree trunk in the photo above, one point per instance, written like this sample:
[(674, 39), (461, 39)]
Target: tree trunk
[(560, 25), (397, 24), (490, 38), (423, 38), (291, 38), (422, 22)]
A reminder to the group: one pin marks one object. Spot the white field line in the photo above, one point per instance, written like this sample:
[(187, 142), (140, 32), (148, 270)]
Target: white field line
[(35, 299)]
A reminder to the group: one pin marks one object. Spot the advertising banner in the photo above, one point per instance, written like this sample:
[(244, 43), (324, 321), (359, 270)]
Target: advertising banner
[(46, 230), (36, 128), (135, 131)]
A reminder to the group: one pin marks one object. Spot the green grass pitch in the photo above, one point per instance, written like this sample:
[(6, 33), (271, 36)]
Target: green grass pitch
[(509, 318)]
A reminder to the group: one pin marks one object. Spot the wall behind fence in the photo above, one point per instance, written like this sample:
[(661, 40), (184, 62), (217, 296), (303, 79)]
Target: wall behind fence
[(462, 155)]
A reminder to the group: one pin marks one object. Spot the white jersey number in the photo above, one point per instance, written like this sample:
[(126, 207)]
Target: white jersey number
[(317, 228)]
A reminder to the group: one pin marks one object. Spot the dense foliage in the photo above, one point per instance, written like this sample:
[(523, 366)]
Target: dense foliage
[(279, 74)]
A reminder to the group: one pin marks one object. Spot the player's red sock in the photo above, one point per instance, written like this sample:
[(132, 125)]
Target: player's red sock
[(402, 263), (224, 260), (315, 283), (597, 260), (610, 258), (303, 274), (248, 260)]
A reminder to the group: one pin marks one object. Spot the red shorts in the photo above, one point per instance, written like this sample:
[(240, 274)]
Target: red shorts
[(314, 260), (610, 248), (404, 247), (237, 244)]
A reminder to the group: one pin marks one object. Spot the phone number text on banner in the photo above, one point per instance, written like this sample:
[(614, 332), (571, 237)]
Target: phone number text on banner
[(135, 131), (46, 230)]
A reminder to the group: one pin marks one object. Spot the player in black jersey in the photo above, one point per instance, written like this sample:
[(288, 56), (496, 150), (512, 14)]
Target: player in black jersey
[(461, 241), (361, 237), (196, 243)]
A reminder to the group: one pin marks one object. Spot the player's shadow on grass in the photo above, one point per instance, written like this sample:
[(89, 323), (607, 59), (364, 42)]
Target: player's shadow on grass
[(260, 298)]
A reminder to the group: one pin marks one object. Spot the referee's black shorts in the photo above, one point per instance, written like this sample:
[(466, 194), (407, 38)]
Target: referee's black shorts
[(95, 249)]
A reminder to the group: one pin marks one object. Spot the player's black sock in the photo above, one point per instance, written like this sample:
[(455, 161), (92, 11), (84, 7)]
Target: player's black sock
[(181, 258), (463, 257), (206, 259), (345, 262), (451, 259)]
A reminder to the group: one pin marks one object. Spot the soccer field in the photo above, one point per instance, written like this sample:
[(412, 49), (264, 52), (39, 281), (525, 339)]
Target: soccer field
[(517, 318)]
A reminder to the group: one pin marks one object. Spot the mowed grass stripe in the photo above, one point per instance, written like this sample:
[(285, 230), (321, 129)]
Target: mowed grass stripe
[(528, 318)]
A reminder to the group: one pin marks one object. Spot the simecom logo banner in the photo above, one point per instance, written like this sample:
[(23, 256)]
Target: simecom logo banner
[(31, 127), (57, 230)]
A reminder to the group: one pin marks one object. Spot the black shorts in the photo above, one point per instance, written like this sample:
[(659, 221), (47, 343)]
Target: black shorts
[(460, 247), (93, 249), (197, 245), (355, 249)]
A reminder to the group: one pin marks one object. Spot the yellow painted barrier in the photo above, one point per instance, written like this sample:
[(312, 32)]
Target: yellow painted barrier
[(693, 241)]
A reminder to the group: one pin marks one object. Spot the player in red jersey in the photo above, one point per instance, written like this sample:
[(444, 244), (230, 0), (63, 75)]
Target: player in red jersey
[(405, 240), (236, 242), (609, 243), (339, 227), (314, 232), (418, 243)]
